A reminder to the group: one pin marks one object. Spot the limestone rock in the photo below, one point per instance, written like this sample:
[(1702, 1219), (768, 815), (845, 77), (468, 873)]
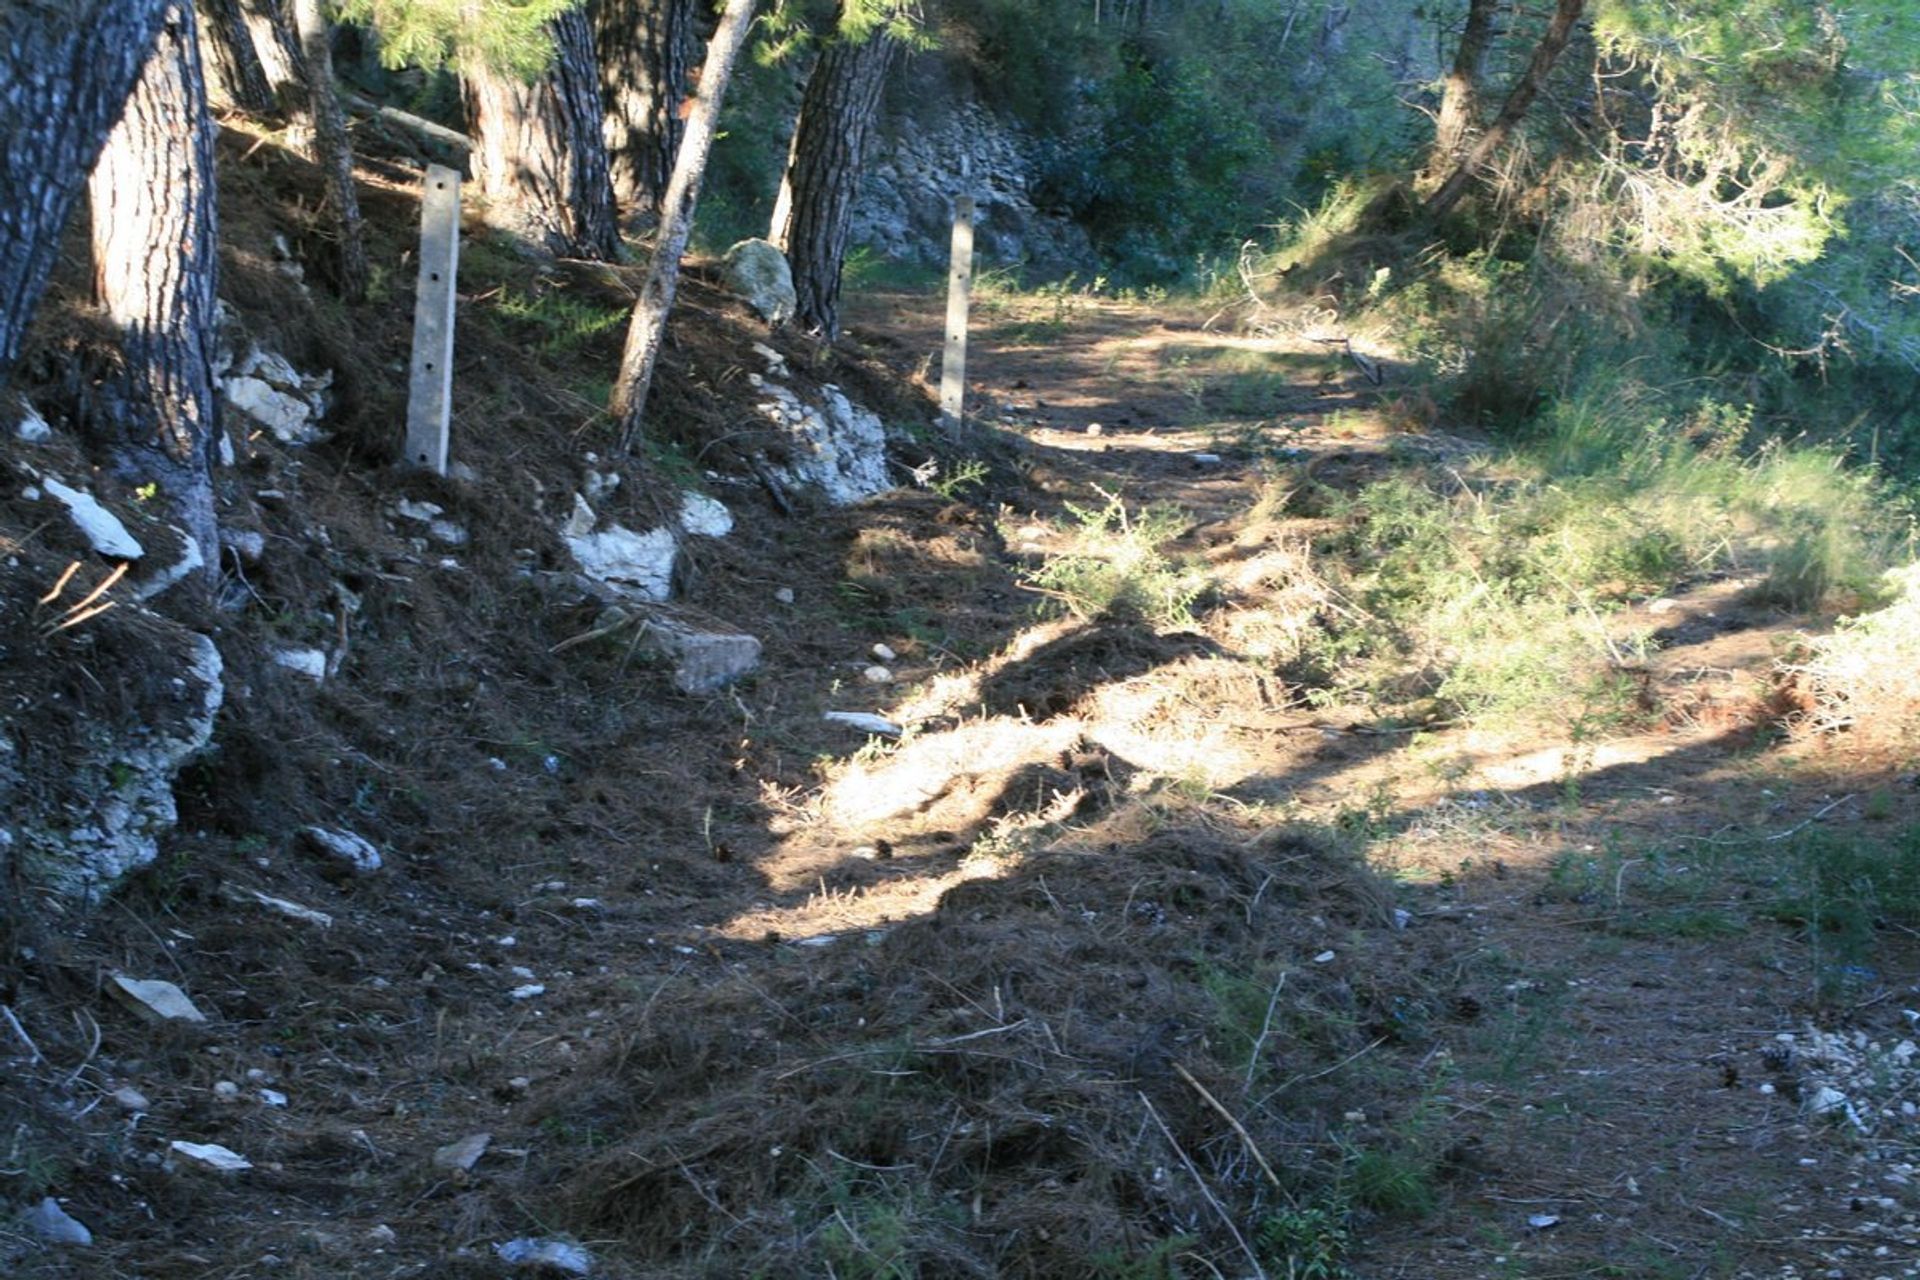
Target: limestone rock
[(32, 428), (351, 851), (210, 1156), (117, 798), (272, 393), (637, 564), (760, 274), (704, 661), (461, 1156), (703, 516), (311, 663), (154, 999), (188, 561), (836, 447), (103, 530), (49, 1222), (546, 1254)]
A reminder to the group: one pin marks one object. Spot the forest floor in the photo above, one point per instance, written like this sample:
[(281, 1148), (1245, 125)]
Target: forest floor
[(1126, 958)]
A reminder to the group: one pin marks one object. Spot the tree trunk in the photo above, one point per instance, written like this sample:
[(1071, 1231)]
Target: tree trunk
[(65, 72), (278, 50), (815, 208), (1460, 97), (538, 152), (648, 328), (331, 149), (646, 54), (154, 255), (235, 77), (1559, 31)]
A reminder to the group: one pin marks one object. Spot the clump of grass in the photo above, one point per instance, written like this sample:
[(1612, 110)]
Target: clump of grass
[(1116, 567), (1863, 679)]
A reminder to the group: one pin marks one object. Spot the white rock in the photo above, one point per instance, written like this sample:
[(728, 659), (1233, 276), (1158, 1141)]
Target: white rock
[(640, 563), (580, 520), (704, 516), (273, 1098), (559, 1255), (1826, 1100), (884, 652), (1094, 428), (32, 428), (1206, 459), (876, 675), (703, 661), (129, 1098), (418, 512), (49, 1222), (447, 533), (461, 1156), (155, 999), (783, 594), (1662, 605), (527, 992), (226, 1091), (189, 561), (352, 851), (760, 274), (104, 532), (598, 484), (865, 722), (310, 663), (210, 1155), (1323, 958), (291, 910), (289, 417)]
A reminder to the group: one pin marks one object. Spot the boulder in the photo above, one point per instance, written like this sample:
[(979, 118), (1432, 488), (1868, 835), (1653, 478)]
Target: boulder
[(759, 273), (836, 448)]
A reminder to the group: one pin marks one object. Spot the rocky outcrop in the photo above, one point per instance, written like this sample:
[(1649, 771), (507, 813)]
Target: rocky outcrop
[(905, 209), (834, 447), (114, 800)]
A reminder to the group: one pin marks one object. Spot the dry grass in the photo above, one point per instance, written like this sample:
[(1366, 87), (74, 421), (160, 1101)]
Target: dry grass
[(1863, 679)]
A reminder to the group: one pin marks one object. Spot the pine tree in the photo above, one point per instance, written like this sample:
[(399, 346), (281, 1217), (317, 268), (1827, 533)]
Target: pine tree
[(330, 147), (65, 72), (154, 259), (646, 52)]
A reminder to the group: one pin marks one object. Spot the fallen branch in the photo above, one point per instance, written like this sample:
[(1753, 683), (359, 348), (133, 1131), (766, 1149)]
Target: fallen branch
[(1246, 1139), (1205, 1190)]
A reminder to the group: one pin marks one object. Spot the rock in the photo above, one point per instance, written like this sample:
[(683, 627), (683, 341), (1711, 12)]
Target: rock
[(447, 533), (351, 851), (865, 722), (634, 564), (154, 999), (1205, 459), (226, 1091), (461, 1156), (311, 663), (598, 484), (129, 1098), (761, 275), (1094, 428), (775, 362), (273, 1098), (103, 530), (32, 428), (120, 760), (836, 448), (49, 1222), (784, 595), (527, 992), (884, 652), (557, 1255), (287, 416), (703, 516), (279, 906), (189, 561), (418, 512), (876, 675), (702, 661), (210, 1155)]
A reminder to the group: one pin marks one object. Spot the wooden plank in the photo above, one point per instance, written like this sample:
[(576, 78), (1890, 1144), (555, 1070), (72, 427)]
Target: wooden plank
[(953, 363), (430, 387)]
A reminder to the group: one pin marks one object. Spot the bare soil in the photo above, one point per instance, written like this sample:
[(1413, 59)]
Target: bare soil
[(1120, 957)]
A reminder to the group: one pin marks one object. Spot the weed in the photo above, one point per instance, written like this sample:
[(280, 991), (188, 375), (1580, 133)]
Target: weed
[(970, 474), (1308, 1243), (1115, 566), (560, 323), (1398, 1184)]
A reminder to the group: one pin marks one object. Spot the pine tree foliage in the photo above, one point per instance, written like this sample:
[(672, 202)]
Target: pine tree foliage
[(509, 37)]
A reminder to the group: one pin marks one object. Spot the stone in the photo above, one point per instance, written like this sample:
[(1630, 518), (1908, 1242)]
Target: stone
[(49, 1222), (876, 675), (447, 533), (461, 1156), (865, 722), (760, 274), (635, 564), (702, 661), (189, 560), (287, 416), (103, 530), (311, 663), (527, 992), (553, 1254), (210, 1156), (884, 652), (226, 1091), (279, 906), (598, 484), (155, 999), (836, 448), (32, 428), (703, 516), (351, 851), (128, 1098), (418, 512), (783, 594)]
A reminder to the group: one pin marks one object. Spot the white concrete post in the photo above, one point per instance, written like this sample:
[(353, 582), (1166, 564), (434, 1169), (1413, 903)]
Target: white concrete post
[(953, 364), (430, 386)]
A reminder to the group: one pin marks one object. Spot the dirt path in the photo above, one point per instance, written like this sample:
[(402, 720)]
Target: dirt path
[(1630, 1080)]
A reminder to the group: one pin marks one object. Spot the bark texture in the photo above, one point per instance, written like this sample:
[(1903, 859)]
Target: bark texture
[(154, 258), (278, 49), (646, 52), (538, 152), (331, 149), (65, 72), (235, 76), (1559, 31), (1460, 95), (815, 210), (648, 327)]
